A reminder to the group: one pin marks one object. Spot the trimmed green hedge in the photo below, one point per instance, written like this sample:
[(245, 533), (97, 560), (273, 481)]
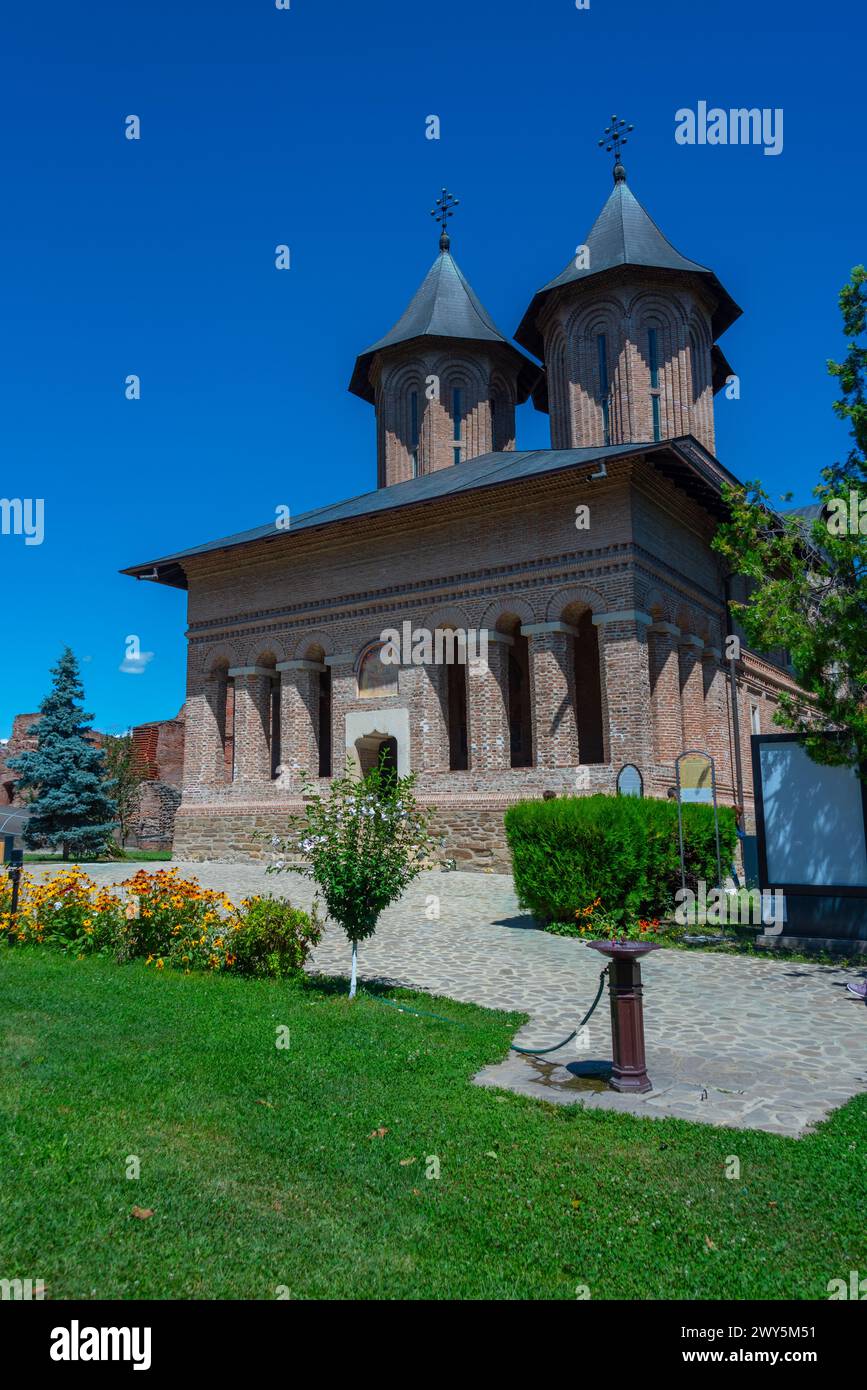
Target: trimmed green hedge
[(623, 849)]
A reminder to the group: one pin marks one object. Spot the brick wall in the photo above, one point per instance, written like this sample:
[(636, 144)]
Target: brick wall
[(623, 311), (643, 577), (481, 372), (19, 742)]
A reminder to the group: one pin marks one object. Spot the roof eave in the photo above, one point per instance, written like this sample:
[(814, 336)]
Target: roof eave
[(169, 572), (723, 315), (689, 462), (527, 370)]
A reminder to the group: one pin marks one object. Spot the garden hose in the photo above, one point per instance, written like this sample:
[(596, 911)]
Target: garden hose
[(543, 1051), (405, 1008), (525, 1051)]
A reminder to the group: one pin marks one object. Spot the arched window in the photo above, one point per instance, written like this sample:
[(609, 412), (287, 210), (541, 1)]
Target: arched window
[(653, 360), (376, 678), (588, 692), (275, 726), (457, 421), (325, 722), (413, 431), (456, 695), (226, 726), (697, 361), (520, 721), (558, 387), (602, 364)]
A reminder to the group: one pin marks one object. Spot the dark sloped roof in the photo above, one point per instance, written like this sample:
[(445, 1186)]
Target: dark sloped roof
[(443, 306), (684, 461), (625, 235), (813, 511)]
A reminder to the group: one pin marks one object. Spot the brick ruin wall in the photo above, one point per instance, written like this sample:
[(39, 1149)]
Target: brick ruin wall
[(159, 751)]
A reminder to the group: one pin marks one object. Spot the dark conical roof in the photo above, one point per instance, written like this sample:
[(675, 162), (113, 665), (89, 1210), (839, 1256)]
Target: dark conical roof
[(444, 306), (625, 235)]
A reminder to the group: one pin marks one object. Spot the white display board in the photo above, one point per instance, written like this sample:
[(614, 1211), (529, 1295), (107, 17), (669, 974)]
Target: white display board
[(814, 820)]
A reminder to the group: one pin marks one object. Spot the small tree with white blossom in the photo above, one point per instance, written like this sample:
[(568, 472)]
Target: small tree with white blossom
[(364, 843)]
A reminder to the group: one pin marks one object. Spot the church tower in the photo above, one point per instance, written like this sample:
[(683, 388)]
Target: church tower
[(444, 381), (628, 332)]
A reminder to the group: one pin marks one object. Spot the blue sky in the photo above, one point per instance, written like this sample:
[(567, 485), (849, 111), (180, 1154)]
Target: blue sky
[(307, 127)]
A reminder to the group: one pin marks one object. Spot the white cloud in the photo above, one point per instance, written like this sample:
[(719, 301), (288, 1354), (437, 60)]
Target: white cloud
[(135, 665)]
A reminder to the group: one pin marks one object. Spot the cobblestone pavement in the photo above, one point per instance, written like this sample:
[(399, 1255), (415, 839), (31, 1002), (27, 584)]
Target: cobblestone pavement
[(731, 1040)]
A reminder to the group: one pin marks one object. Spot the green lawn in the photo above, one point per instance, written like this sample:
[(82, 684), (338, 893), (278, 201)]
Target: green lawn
[(100, 1062)]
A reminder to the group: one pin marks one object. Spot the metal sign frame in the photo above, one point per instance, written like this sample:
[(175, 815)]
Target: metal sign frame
[(697, 753), (831, 890), (637, 770)]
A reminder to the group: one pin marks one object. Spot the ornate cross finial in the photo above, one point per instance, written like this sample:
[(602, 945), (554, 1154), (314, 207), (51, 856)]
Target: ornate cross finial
[(615, 139), (442, 210)]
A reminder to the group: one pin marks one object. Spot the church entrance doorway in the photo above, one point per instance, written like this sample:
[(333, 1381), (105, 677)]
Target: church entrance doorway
[(377, 749), (370, 733)]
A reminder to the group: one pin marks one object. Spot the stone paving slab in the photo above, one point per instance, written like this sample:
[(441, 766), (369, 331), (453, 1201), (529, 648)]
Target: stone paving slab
[(731, 1040)]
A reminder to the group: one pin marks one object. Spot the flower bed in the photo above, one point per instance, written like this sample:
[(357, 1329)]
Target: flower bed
[(594, 923), (161, 918)]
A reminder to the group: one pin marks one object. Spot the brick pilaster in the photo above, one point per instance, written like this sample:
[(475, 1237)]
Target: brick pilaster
[(299, 718), (626, 687), (691, 691), (343, 698), (714, 681), (552, 693), (252, 723), (665, 705), (488, 706), (427, 692), (205, 731)]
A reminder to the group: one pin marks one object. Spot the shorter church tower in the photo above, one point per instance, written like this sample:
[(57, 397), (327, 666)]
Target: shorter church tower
[(628, 332), (444, 381)]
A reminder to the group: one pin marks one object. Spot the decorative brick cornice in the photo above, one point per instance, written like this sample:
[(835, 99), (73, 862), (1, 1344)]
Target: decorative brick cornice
[(490, 582), (301, 666), (537, 629), (623, 615)]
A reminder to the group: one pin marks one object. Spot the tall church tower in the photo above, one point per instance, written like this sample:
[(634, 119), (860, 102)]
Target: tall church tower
[(628, 332), (444, 381)]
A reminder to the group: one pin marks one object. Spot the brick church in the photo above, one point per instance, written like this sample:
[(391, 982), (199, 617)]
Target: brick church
[(586, 567)]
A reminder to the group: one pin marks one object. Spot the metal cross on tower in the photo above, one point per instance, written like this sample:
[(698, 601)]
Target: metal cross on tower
[(442, 210), (614, 140)]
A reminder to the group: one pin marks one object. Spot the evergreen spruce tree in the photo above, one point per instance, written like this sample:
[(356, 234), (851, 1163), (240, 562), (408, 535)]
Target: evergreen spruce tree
[(72, 806)]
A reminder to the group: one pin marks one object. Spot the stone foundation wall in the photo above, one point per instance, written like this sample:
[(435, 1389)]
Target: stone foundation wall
[(473, 836), (227, 832), (467, 828)]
